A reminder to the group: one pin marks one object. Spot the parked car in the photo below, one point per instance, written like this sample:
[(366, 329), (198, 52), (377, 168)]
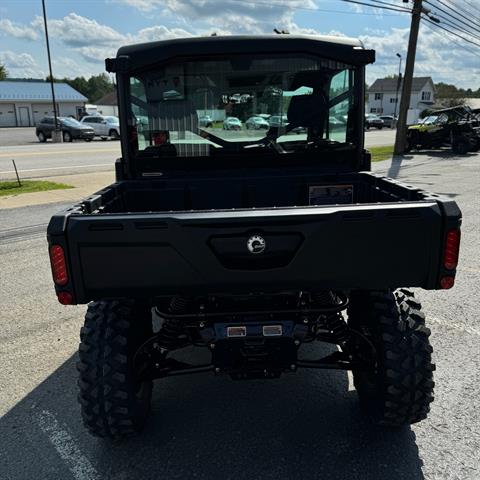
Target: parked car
[(104, 126), (278, 121), (205, 121), (251, 253), (335, 123), (389, 121), (71, 129), (373, 121), (232, 123), (257, 123)]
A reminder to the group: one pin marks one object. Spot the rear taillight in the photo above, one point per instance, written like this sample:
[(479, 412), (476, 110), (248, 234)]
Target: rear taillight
[(452, 246), (65, 298), (59, 265), (447, 282)]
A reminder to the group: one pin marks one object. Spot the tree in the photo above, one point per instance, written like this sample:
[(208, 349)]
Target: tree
[(3, 72), (94, 88), (98, 86)]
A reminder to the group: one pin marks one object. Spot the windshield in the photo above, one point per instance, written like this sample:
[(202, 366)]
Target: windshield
[(442, 118), (111, 119), (277, 98), (71, 122)]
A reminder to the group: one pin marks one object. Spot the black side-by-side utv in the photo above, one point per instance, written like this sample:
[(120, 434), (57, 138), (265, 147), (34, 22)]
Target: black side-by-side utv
[(250, 243)]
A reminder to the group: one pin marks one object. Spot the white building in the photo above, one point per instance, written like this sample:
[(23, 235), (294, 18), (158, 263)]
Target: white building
[(382, 97), (23, 103), (107, 105)]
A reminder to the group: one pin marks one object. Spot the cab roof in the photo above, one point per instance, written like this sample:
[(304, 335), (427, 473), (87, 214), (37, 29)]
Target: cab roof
[(343, 49)]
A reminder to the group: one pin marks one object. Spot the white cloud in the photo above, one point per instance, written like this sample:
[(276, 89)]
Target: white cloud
[(159, 32), (143, 5), (17, 30), (90, 42), (437, 56), (76, 31), (235, 15), (20, 64)]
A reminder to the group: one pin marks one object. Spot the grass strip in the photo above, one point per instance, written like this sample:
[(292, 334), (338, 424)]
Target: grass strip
[(381, 153), (29, 186)]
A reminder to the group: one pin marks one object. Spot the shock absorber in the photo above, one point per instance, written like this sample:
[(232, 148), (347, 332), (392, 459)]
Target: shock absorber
[(172, 328), (334, 323)]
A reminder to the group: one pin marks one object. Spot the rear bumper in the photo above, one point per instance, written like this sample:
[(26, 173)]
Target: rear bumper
[(83, 135), (342, 247)]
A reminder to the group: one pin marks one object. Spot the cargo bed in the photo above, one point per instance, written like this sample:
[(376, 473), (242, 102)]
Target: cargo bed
[(345, 232)]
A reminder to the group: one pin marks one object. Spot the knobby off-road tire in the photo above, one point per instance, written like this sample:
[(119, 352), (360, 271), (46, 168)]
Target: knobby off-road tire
[(401, 390), (113, 403)]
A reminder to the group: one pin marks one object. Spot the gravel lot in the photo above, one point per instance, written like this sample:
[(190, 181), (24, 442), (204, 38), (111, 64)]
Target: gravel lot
[(302, 426)]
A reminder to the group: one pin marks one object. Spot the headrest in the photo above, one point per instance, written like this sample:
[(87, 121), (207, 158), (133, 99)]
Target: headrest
[(307, 111)]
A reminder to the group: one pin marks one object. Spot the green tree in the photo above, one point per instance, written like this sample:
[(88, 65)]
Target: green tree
[(94, 88), (98, 86), (3, 72)]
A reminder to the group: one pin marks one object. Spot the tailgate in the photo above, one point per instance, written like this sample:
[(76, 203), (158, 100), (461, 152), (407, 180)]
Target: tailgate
[(373, 246)]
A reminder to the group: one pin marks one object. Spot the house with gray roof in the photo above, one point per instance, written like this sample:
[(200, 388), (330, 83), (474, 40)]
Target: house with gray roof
[(24, 103), (382, 96)]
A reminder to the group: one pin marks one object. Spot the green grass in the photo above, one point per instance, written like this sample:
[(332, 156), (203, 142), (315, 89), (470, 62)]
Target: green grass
[(381, 153), (28, 186)]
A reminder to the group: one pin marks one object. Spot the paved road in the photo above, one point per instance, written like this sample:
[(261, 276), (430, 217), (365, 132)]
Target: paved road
[(302, 426), (47, 159)]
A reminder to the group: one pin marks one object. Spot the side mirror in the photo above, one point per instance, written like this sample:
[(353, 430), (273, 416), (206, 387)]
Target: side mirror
[(104, 122)]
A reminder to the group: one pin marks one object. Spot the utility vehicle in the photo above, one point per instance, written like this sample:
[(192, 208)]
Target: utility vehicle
[(456, 127), (249, 244)]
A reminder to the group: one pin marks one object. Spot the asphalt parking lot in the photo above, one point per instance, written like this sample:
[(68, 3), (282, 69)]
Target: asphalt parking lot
[(301, 426)]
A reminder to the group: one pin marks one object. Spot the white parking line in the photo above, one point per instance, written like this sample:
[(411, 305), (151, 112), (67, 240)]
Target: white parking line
[(65, 445)]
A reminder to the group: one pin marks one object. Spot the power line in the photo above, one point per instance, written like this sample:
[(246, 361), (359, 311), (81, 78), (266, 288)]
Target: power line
[(474, 17), (453, 40), (391, 5), (471, 13), (396, 9), (449, 31), (460, 28), (450, 16), (441, 2), (311, 9), (447, 13)]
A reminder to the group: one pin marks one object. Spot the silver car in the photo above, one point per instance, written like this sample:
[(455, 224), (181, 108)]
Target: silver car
[(104, 126), (232, 123), (256, 123)]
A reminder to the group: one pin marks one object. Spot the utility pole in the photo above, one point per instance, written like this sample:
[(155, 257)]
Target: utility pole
[(55, 136), (401, 137)]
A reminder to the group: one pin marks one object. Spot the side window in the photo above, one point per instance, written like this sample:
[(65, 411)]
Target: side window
[(442, 119), (340, 102), (139, 112)]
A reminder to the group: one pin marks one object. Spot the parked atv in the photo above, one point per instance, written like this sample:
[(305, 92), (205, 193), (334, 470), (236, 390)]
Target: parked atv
[(249, 247), (456, 127)]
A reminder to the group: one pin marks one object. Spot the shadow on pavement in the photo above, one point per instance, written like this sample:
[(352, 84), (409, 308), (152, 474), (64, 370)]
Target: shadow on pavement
[(301, 426), (442, 154)]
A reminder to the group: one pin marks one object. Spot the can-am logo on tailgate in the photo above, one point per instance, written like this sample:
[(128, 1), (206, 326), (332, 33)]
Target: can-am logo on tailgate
[(256, 244)]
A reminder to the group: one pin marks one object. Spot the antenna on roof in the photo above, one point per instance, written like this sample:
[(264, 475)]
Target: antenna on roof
[(281, 32)]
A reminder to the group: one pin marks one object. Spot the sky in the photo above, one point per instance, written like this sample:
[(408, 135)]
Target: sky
[(85, 32)]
